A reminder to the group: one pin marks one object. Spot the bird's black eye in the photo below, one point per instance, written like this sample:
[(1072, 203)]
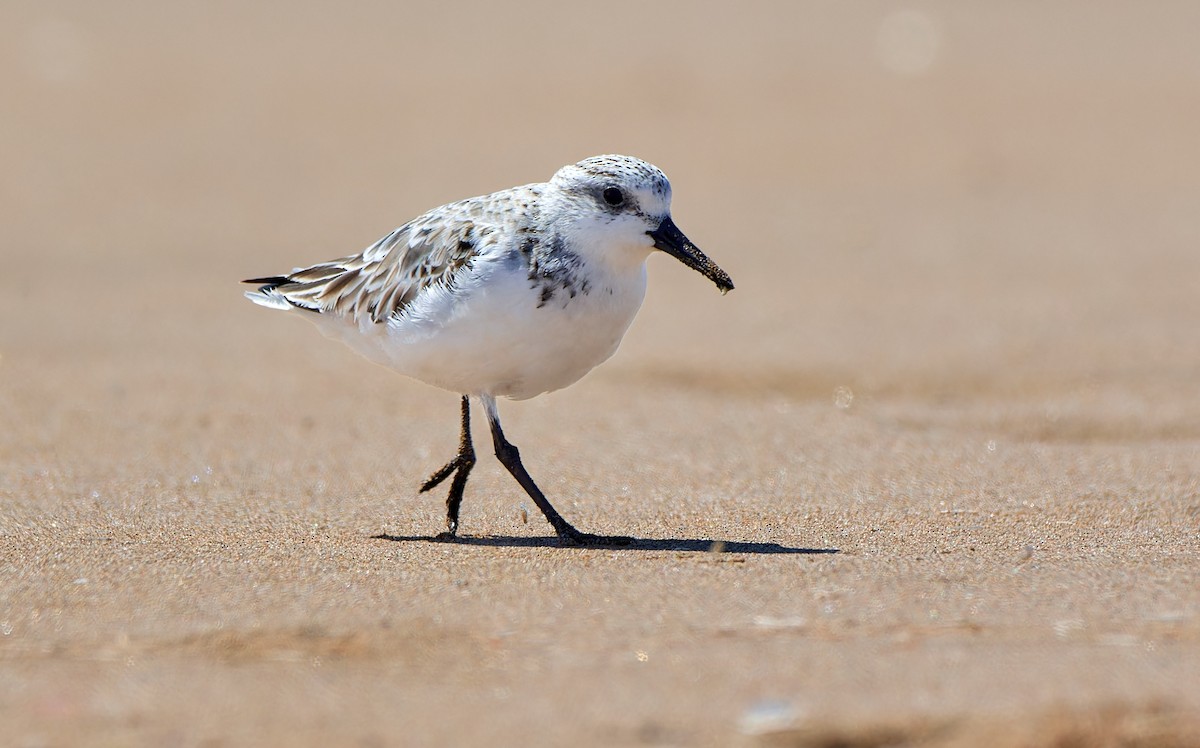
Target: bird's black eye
[(613, 196)]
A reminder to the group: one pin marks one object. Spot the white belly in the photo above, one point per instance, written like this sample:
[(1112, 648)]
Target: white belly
[(489, 336)]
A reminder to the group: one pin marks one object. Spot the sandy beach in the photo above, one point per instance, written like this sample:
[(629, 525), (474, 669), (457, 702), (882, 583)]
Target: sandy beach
[(929, 476)]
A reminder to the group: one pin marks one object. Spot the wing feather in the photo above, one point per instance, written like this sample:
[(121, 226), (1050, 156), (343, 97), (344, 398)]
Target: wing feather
[(385, 277)]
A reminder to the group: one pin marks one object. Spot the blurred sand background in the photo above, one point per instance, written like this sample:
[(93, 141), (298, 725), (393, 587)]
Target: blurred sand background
[(962, 364)]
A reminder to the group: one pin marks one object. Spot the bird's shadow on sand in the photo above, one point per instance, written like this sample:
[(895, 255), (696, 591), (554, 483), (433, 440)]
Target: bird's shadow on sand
[(683, 545)]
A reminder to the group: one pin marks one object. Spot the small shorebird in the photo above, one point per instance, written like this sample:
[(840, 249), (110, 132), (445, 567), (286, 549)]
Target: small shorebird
[(506, 295)]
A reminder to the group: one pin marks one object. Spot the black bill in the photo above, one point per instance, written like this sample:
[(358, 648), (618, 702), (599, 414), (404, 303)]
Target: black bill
[(671, 240)]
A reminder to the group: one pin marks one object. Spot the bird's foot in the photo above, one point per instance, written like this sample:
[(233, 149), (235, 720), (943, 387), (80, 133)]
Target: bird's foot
[(460, 462), (450, 534)]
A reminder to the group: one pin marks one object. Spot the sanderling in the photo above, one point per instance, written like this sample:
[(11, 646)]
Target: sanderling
[(511, 295)]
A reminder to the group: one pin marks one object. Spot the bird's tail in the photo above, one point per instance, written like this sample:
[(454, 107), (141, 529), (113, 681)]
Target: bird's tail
[(268, 293)]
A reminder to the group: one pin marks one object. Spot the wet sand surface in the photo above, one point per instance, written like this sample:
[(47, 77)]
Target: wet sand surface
[(929, 475)]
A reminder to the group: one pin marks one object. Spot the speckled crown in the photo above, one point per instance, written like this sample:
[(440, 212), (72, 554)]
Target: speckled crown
[(616, 168)]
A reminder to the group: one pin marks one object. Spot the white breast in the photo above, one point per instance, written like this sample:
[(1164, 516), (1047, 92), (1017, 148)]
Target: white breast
[(488, 335)]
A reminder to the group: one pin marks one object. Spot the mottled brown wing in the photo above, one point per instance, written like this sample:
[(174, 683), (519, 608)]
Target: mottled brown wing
[(389, 274)]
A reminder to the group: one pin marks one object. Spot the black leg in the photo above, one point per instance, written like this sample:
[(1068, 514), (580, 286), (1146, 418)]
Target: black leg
[(461, 467), (510, 458)]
